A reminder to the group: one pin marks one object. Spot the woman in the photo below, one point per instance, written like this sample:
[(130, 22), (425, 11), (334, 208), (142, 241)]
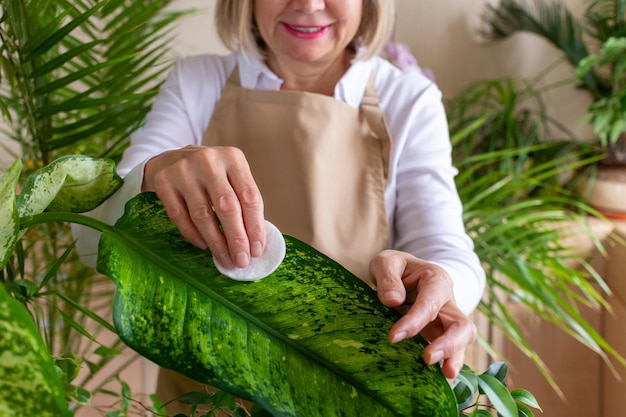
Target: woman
[(304, 126)]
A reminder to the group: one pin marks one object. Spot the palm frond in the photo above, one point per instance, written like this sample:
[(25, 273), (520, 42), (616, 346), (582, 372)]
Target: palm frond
[(85, 71), (552, 21), (606, 18)]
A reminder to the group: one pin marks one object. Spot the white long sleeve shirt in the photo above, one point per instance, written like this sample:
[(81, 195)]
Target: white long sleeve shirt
[(423, 207)]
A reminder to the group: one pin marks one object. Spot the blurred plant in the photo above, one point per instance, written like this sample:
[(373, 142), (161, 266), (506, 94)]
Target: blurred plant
[(512, 158), (607, 114), (76, 76), (575, 37)]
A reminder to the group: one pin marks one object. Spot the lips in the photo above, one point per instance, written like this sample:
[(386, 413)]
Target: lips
[(307, 32)]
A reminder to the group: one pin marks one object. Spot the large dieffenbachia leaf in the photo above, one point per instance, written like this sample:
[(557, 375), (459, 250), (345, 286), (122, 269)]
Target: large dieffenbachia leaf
[(29, 383), (309, 340)]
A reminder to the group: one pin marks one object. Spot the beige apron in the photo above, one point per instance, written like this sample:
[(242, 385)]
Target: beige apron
[(321, 166)]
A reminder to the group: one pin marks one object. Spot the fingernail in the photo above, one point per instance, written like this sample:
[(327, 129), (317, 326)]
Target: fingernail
[(392, 296), (435, 357), (256, 250), (226, 261), (201, 243), (242, 260), (398, 337)]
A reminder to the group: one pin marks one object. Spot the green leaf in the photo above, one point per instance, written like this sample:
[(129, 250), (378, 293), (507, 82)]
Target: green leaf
[(45, 40), (73, 183), (464, 395), (78, 74), (9, 226), (498, 370), (196, 398), (69, 365), (498, 394), (126, 396), (79, 394), (465, 387), (29, 383), (157, 405), (586, 65), (523, 411), (71, 323), (64, 58), (223, 399), (525, 397), (310, 339), (106, 352)]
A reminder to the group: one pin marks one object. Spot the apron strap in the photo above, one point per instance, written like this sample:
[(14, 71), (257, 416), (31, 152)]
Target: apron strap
[(370, 106), (233, 78)]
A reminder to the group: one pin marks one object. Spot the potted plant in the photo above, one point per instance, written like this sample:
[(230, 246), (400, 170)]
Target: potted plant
[(601, 29), (607, 116), (512, 157), (175, 308), (76, 77)]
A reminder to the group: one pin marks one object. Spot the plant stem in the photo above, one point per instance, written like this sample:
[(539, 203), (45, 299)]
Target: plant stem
[(57, 216)]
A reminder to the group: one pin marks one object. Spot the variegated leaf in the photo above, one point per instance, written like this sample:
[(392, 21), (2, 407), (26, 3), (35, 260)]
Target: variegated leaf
[(309, 340)]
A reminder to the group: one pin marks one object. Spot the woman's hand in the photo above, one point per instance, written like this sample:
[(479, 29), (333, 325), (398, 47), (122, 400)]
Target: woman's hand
[(199, 185), (400, 277)]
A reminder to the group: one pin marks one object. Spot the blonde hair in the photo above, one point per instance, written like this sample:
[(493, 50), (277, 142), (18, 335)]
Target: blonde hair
[(237, 30)]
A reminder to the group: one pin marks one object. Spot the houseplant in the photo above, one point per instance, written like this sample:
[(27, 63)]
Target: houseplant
[(165, 287), (607, 116), (602, 29), (76, 76), (512, 156), (22, 286)]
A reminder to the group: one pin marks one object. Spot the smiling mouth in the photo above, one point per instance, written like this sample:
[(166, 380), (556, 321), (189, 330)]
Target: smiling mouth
[(306, 29)]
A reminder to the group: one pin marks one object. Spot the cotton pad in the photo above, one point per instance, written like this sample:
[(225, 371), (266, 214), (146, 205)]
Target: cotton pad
[(260, 267)]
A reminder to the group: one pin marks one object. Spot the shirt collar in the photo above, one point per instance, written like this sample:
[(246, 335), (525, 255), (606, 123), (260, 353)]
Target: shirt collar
[(255, 74)]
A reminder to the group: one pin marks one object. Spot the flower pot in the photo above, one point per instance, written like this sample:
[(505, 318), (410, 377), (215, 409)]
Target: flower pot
[(606, 190)]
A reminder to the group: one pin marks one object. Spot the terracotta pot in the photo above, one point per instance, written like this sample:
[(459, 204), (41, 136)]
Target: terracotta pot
[(607, 191)]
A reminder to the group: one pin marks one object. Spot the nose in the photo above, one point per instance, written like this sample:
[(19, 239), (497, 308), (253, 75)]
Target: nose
[(309, 6)]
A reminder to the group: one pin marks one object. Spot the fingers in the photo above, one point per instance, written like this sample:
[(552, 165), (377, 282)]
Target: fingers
[(211, 197), (433, 292), (388, 269), (450, 335), (399, 277), (238, 206)]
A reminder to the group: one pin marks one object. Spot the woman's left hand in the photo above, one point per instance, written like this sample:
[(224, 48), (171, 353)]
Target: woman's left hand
[(400, 277)]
